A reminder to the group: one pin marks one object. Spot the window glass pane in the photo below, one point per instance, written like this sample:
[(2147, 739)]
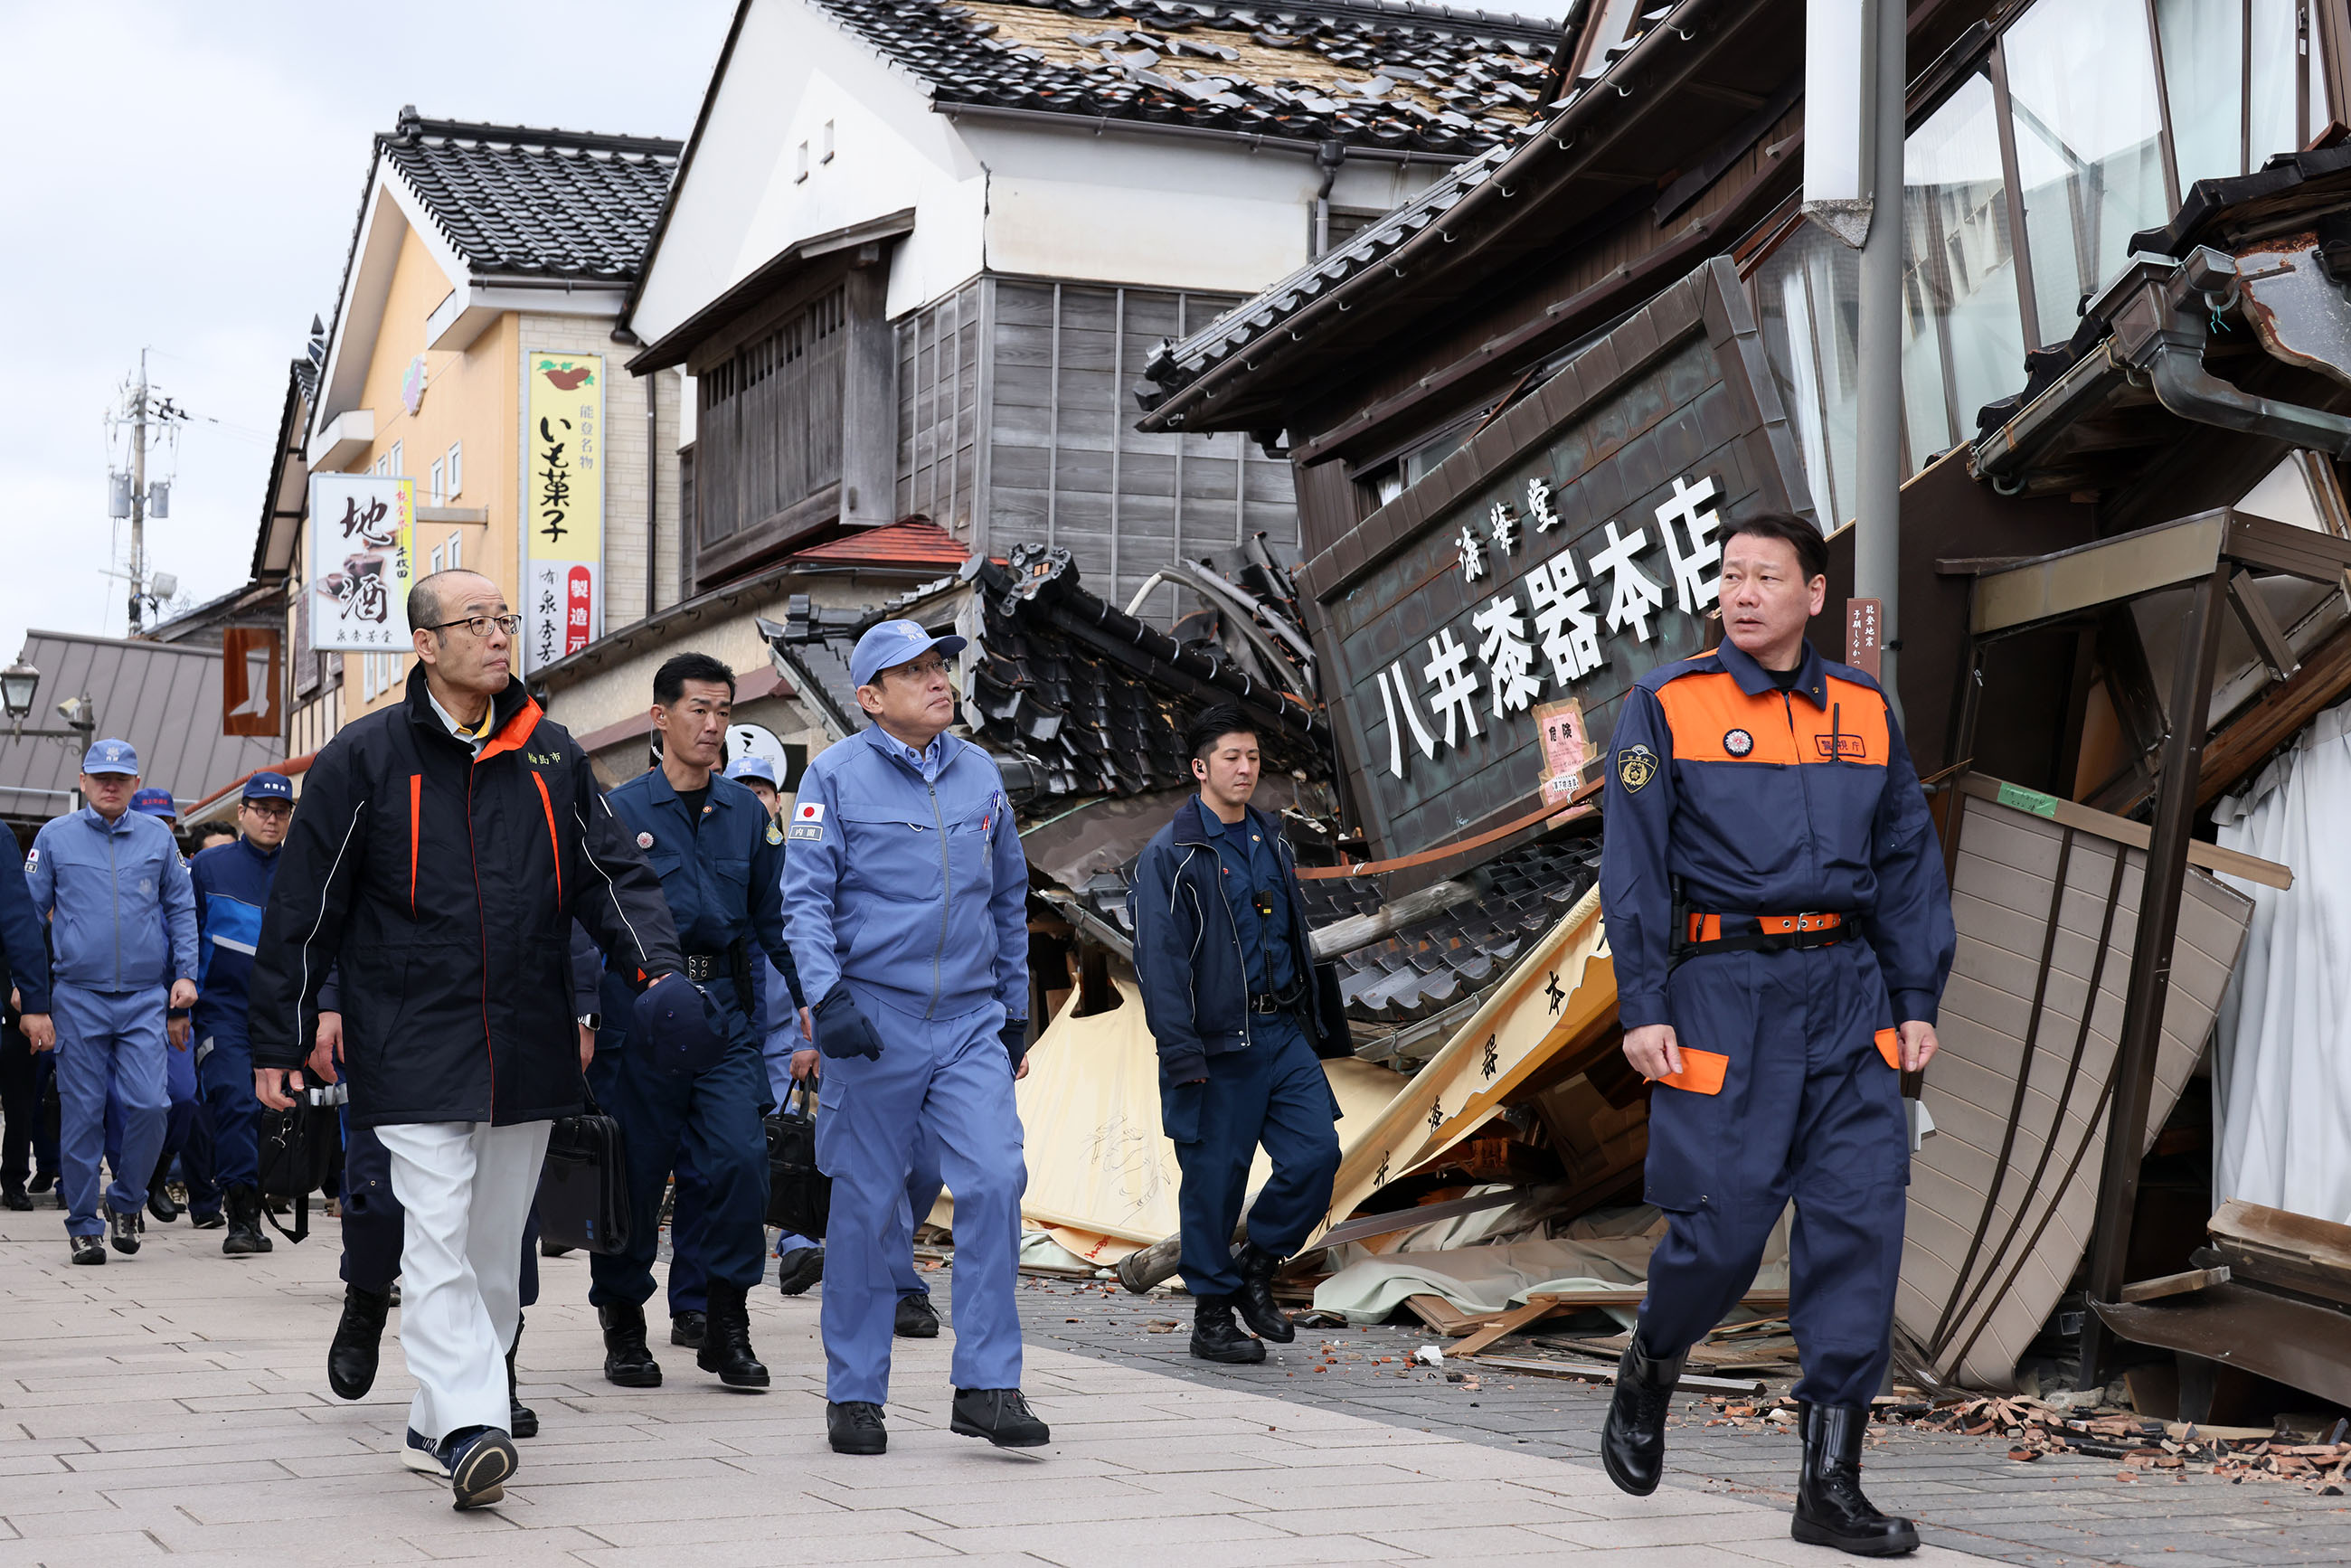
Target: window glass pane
[(2203, 80), (2275, 68), (1807, 293), (1963, 339), (2081, 83)]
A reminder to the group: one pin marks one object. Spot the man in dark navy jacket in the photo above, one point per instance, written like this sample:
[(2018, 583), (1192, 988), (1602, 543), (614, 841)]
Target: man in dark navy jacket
[(24, 949), (1228, 979), (1781, 930)]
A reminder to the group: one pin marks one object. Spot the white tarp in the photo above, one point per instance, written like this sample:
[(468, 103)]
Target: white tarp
[(2282, 1067)]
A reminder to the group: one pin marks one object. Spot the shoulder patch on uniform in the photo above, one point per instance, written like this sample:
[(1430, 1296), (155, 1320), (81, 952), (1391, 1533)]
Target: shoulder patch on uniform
[(809, 811), (1636, 766), (1738, 742), (33, 859), (809, 831), (775, 833)]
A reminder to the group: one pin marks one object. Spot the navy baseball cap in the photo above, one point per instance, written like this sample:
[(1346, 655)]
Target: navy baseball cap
[(751, 764), (675, 1028), (893, 643), (269, 787), (110, 757), (154, 802)]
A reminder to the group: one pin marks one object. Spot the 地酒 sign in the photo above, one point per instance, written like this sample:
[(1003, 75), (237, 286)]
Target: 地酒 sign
[(363, 562), (1550, 560), (563, 504)]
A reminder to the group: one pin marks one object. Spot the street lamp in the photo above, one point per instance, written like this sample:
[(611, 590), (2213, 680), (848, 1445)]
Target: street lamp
[(18, 684)]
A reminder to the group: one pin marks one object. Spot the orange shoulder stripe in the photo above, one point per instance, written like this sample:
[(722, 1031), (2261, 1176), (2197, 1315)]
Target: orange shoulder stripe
[(1714, 721)]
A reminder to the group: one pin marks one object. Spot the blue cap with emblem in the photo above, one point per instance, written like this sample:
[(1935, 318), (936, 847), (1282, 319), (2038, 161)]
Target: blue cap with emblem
[(111, 756), (751, 764), (268, 787), (893, 643), (155, 803)]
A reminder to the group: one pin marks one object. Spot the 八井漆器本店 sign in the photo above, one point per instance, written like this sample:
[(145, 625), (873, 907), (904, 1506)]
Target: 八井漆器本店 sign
[(1493, 616), (363, 562), (563, 505)]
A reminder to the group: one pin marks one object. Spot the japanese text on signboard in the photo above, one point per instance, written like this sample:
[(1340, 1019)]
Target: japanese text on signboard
[(563, 504), (360, 565)]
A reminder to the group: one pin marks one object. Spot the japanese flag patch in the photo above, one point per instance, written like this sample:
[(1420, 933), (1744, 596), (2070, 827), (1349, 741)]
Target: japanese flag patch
[(33, 860), (809, 811)]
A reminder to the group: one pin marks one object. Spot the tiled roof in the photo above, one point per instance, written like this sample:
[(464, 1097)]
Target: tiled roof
[(1384, 75), (915, 542), (555, 204)]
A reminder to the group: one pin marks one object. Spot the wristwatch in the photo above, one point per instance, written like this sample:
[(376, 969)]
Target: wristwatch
[(592, 1022)]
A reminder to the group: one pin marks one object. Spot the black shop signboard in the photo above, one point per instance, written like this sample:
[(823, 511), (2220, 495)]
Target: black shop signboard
[(1481, 629)]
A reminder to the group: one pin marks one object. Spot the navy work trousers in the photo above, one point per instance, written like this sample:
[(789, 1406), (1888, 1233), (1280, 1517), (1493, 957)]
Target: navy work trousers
[(1273, 1091), (1810, 1108), (710, 1123)]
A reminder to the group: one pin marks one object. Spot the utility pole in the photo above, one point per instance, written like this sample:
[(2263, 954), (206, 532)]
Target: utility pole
[(1878, 538), (139, 496)]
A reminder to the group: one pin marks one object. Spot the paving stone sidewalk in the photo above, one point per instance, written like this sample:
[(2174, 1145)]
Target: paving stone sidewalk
[(1967, 1494), (172, 1406)]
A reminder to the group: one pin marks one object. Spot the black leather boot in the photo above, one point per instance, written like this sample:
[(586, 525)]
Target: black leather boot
[(522, 1421), (158, 1201), (687, 1329), (351, 1358), (244, 1205), (1216, 1337), (627, 1362), (726, 1340), (1830, 1508), (1632, 1442), (1255, 1298), (999, 1414)]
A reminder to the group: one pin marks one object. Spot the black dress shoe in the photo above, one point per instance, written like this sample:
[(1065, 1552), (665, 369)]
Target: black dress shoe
[(42, 1181), (999, 1414), (1633, 1442), (122, 1230), (917, 1318), (726, 1340), (1255, 1300), (1216, 1337), (88, 1249), (1830, 1508), (160, 1203), (800, 1268), (359, 1339), (521, 1419), (688, 1327), (855, 1427), (203, 1219), (627, 1362), (13, 1199)]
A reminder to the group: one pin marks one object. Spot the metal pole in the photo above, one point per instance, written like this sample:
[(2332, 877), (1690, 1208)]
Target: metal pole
[(2150, 972), (1877, 540), (138, 495)]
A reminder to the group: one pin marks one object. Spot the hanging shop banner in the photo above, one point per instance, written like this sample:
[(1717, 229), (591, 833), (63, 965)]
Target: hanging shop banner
[(563, 505), (249, 677), (1484, 625), (363, 562)]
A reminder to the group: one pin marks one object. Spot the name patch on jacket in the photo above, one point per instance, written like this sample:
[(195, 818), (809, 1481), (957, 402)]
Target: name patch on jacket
[(812, 831), (1841, 745), (1636, 766)]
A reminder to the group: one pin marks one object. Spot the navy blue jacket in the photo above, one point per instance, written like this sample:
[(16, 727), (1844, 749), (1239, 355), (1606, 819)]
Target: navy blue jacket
[(231, 883), (1760, 802), (24, 946), (1188, 956)]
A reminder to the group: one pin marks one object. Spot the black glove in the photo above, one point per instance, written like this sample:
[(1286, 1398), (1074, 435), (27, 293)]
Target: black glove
[(841, 1029), (1016, 1039)]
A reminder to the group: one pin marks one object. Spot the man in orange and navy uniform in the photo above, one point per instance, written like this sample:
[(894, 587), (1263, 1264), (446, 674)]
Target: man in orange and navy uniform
[(1782, 930)]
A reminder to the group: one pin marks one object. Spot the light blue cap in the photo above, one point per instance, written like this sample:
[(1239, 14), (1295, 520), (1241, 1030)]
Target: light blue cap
[(111, 756), (751, 764), (893, 643)]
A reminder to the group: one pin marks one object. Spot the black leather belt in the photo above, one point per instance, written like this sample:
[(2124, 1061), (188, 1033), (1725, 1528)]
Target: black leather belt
[(705, 967), (1266, 1002)]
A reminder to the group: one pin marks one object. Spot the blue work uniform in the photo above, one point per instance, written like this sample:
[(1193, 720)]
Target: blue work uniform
[(906, 883), (1745, 810), (721, 873), (232, 888), (1263, 1085), (123, 924)]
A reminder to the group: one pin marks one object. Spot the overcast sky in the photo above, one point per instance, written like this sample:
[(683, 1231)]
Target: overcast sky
[(185, 180)]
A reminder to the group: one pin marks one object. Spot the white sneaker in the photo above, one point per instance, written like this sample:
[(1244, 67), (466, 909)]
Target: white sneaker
[(423, 1455)]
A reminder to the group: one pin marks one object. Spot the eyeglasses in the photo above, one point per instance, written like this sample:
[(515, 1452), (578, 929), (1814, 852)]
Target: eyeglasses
[(479, 625), (269, 808)]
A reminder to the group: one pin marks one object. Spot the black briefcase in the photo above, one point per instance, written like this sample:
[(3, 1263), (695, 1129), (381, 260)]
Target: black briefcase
[(295, 1153), (583, 1187), (800, 1196)]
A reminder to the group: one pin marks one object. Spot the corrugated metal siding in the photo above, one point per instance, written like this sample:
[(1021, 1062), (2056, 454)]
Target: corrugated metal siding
[(163, 698)]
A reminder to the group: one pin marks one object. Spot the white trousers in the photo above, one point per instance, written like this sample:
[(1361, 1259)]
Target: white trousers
[(467, 1188)]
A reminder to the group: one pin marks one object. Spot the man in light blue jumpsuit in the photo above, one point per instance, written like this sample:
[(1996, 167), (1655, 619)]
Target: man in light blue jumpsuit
[(905, 898), (122, 921), (185, 1142)]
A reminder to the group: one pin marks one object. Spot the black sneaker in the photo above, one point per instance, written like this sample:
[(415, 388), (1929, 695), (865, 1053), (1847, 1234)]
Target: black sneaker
[(688, 1329), (88, 1249), (204, 1221), (999, 1414), (856, 1427), (800, 1268), (13, 1199), (423, 1455), (124, 1230), (480, 1459), (42, 1181), (917, 1318)]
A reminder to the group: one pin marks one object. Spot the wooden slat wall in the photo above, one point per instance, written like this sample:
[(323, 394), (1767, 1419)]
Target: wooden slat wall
[(768, 431), (2001, 893), (939, 411)]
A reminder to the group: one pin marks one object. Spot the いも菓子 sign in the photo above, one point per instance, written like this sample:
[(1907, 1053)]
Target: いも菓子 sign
[(563, 504)]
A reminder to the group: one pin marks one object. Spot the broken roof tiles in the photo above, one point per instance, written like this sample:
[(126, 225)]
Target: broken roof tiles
[(1403, 76)]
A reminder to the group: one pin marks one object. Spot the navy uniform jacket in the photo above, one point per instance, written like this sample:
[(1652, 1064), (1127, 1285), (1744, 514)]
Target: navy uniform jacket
[(232, 887), (122, 916), (1761, 801), (722, 882), (23, 943)]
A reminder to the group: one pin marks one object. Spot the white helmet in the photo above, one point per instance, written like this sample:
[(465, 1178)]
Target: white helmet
[(752, 741)]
